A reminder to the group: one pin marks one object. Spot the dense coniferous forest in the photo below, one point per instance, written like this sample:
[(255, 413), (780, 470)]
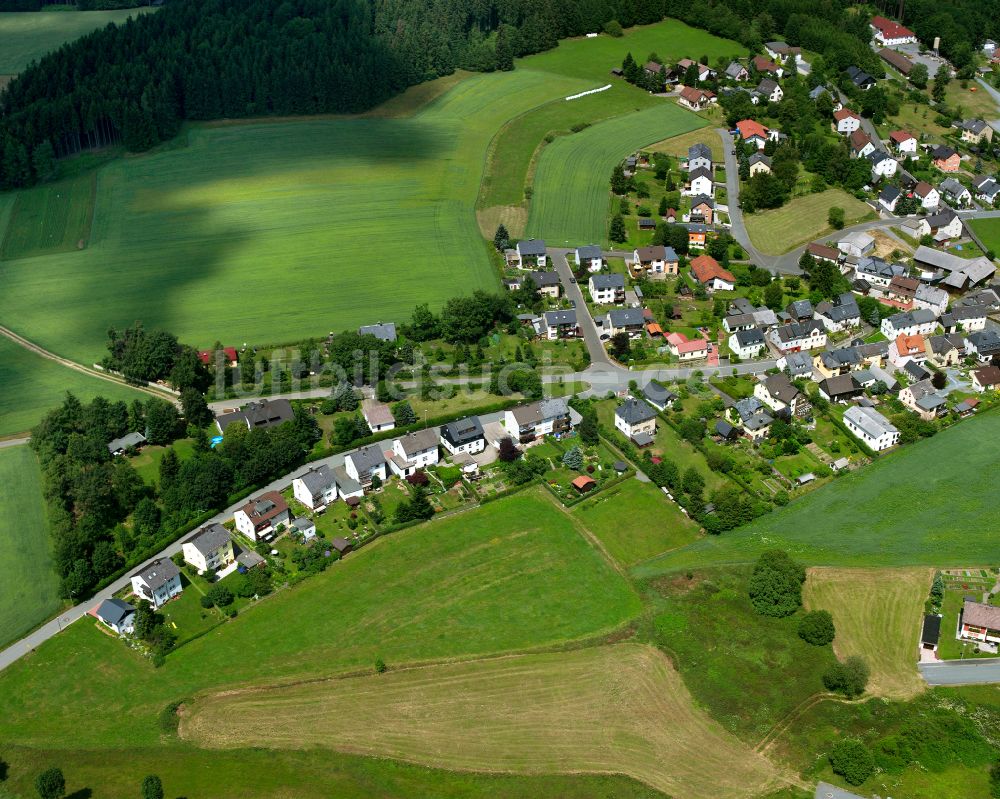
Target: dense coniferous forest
[(207, 59)]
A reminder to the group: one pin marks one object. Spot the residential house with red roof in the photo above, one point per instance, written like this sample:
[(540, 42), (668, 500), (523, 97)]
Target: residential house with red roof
[(706, 270), (889, 33)]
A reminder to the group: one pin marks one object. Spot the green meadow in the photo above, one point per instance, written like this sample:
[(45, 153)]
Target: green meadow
[(31, 385), (512, 575), (29, 587), (27, 36), (930, 504), (571, 196), (989, 231)]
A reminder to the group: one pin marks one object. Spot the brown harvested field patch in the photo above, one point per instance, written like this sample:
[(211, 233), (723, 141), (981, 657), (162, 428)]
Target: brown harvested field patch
[(612, 709), (513, 217), (678, 145), (877, 613), (886, 245)]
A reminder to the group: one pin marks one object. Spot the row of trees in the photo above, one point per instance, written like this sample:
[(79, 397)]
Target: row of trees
[(103, 515)]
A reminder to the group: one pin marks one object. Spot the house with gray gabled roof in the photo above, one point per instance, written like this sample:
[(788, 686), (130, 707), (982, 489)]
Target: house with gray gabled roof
[(889, 197), (932, 298), (752, 417), (985, 344), (463, 435), (416, 450), (257, 415), (964, 319), (871, 427), (923, 399), (746, 344), (699, 156), (116, 615), (910, 323), (986, 187), (530, 254), (658, 396), (780, 395), (383, 331), (209, 549), (736, 71), (589, 256), (700, 181), (317, 488), (796, 364), (366, 463), (625, 320), (535, 420), (158, 582), (800, 310), (607, 289), (840, 313), (559, 324), (117, 446), (759, 163), (975, 130), (636, 420)]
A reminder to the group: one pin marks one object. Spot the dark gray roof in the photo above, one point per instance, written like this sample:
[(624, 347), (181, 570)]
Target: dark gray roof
[(384, 331), (699, 150), (557, 318), (931, 632), (916, 371), (209, 538), (799, 362), (626, 317), (748, 406), (158, 573), (418, 441), (463, 431), (840, 385), (724, 429), (536, 412), (986, 342), (634, 411), (126, 441), (367, 458), (657, 394), (114, 611), (796, 330), (531, 247), (759, 158), (259, 414), (918, 316), (589, 251), (543, 279), (801, 309), (943, 152), (610, 281), (889, 194), (767, 86), (700, 172), (748, 338), (758, 421), (973, 125), (318, 479)]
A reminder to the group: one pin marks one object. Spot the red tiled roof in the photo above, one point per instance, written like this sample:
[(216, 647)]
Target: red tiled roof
[(890, 29), (705, 267), (899, 136), (844, 113), (910, 344), (860, 139), (751, 127), (762, 64), (205, 356)]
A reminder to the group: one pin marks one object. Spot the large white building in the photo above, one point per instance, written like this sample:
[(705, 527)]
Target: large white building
[(315, 489), (414, 451), (871, 427), (209, 549), (158, 583)]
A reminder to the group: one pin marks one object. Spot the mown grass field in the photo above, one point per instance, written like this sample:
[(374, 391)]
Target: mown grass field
[(802, 219), (314, 774), (51, 218), (29, 587), (678, 145), (571, 186), (267, 233), (877, 614), (635, 522), (512, 575), (31, 385), (535, 713), (930, 504), (27, 36), (989, 231)]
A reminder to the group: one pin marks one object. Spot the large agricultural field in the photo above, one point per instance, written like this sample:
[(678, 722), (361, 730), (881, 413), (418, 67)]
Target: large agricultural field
[(29, 588), (31, 385), (513, 575), (47, 219), (895, 512), (802, 219), (535, 713), (27, 36), (571, 195), (877, 614)]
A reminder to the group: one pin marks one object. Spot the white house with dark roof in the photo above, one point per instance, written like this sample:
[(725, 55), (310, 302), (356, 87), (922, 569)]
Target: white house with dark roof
[(797, 336), (658, 396), (317, 488), (157, 583), (559, 324), (530, 254), (257, 415), (883, 164), (932, 298), (607, 289), (871, 428), (416, 450), (625, 320), (260, 518), (964, 319), (463, 435), (955, 193), (656, 261), (366, 463), (746, 344), (840, 313), (116, 615), (986, 187), (918, 321), (779, 393), (637, 420), (699, 157), (209, 549), (700, 182), (526, 423), (984, 345), (589, 256)]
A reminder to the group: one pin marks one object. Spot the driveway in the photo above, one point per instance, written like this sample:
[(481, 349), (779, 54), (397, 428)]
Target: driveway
[(961, 672)]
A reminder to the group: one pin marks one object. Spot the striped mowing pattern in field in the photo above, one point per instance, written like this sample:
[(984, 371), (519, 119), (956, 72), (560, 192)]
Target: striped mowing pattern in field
[(27, 36), (268, 233), (620, 709), (571, 194), (877, 614), (931, 504)]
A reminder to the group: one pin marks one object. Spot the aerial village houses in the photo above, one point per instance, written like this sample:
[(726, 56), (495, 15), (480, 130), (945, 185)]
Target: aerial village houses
[(889, 33), (116, 615), (779, 394), (871, 428), (699, 157), (625, 320), (696, 99), (656, 261), (799, 336), (414, 451), (980, 622), (383, 331), (700, 182), (861, 144), (860, 78), (975, 130), (746, 344), (315, 489), (706, 270), (367, 463), (607, 289), (257, 415), (260, 518), (686, 349), (904, 143), (846, 121), (157, 583), (558, 324), (590, 256), (759, 163), (547, 417), (530, 254), (986, 378), (909, 323), (923, 399), (945, 158), (378, 415), (209, 549), (751, 130), (464, 435), (637, 421), (754, 421), (896, 60), (762, 64)]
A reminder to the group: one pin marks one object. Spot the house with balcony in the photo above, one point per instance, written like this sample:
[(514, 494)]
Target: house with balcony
[(260, 518), (157, 583), (535, 420), (210, 549)]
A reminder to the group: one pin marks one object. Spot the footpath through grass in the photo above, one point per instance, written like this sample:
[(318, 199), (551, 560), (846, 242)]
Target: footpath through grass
[(802, 219), (31, 385), (512, 575), (27, 36), (29, 589), (930, 504)]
